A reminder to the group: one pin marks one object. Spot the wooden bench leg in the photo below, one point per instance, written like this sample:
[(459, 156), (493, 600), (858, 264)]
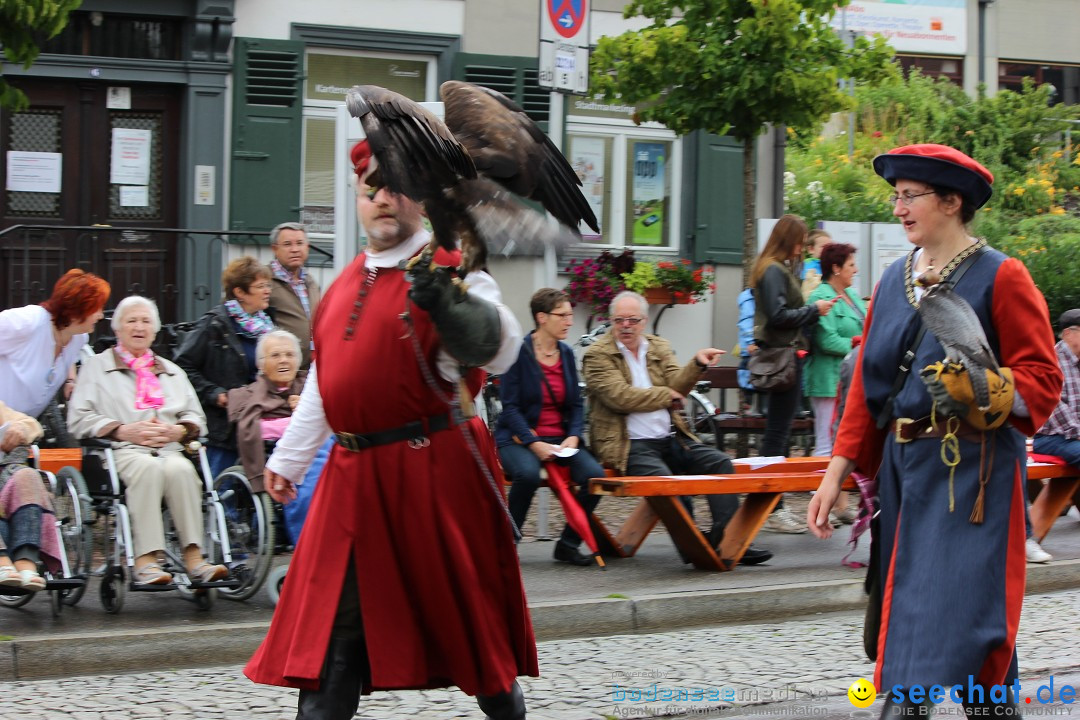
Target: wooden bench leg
[(1056, 495), (745, 524), (684, 533), (634, 531)]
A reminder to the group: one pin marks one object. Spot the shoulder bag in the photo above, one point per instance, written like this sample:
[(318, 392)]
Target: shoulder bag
[(773, 369)]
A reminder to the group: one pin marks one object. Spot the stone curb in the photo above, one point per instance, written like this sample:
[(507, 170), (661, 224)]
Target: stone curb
[(233, 643)]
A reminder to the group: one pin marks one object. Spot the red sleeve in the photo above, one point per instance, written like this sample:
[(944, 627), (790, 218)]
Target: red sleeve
[(858, 438), (1026, 341)]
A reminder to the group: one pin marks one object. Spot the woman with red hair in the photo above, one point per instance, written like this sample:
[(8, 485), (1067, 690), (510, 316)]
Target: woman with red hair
[(39, 344)]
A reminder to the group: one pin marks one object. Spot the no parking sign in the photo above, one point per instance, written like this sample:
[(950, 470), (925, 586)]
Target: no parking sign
[(564, 45)]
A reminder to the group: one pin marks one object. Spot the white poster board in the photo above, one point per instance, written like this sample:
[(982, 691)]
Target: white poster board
[(858, 235), (914, 26), (134, 196), (587, 158), (130, 157), (888, 243), (33, 171)]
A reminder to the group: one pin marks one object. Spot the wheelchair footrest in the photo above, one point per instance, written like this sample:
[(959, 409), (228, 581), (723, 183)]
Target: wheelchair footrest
[(229, 584), (64, 583), (137, 587)]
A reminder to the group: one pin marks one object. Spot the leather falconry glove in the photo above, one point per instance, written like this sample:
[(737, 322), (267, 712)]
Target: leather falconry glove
[(468, 326), (950, 387)]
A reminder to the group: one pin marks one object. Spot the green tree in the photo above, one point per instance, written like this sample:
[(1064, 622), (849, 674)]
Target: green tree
[(732, 67), (23, 24)]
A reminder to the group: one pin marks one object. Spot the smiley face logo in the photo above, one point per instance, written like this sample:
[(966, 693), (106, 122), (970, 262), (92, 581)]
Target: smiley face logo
[(862, 693)]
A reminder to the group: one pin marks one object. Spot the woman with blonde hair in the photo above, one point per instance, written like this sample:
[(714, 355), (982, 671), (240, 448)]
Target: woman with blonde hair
[(781, 319)]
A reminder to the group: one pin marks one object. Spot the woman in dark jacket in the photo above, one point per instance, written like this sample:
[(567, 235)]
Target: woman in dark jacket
[(782, 319), (219, 354), (543, 416)]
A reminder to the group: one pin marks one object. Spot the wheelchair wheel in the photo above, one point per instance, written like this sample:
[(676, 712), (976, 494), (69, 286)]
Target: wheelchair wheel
[(275, 582), (113, 590), (700, 418), (56, 602), (15, 601), (249, 517), (74, 513), (204, 599)]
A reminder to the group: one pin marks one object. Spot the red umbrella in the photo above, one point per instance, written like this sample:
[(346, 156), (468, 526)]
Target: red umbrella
[(559, 480)]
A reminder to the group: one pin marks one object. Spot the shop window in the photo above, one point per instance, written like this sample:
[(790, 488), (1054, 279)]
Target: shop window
[(951, 68), (1064, 78), (648, 188)]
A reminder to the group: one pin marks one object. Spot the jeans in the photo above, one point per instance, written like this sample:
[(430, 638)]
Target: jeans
[(1066, 449), (522, 469), (220, 459), (680, 456)]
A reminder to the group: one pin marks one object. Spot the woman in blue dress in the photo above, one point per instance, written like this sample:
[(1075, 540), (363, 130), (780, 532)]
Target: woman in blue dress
[(950, 546)]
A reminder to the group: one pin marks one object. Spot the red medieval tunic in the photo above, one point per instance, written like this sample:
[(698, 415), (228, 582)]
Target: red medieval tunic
[(439, 582), (952, 589)]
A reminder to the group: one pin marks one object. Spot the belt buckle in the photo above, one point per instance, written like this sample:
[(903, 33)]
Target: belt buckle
[(419, 443), (898, 427), (352, 442)]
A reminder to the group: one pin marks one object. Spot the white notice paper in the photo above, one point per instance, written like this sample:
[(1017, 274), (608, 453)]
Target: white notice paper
[(33, 171), (566, 452), (134, 196), (130, 157)]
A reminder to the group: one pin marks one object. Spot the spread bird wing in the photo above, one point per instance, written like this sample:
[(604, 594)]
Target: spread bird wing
[(417, 155), (508, 147)]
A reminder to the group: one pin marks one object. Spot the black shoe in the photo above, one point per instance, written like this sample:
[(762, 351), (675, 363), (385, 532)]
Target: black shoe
[(509, 705), (754, 556), (567, 554)]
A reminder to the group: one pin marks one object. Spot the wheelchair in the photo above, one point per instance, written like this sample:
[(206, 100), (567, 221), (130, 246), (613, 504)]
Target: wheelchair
[(107, 493), (251, 527), (72, 506)]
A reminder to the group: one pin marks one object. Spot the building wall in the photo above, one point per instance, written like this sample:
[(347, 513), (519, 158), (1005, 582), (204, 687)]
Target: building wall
[(1047, 30), (273, 18)]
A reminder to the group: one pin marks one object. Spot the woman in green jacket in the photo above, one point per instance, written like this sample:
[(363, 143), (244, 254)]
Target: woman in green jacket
[(832, 338)]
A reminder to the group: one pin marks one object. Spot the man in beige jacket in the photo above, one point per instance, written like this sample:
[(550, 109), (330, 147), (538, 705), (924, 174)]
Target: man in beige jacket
[(294, 295), (635, 384)]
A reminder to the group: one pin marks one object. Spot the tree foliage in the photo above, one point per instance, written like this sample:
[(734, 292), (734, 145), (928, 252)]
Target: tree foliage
[(23, 24), (732, 67)]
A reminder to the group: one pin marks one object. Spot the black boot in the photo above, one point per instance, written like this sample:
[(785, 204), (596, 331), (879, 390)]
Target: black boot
[(509, 705), (342, 679)]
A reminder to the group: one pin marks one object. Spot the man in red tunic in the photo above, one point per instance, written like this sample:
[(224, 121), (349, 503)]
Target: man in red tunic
[(407, 530)]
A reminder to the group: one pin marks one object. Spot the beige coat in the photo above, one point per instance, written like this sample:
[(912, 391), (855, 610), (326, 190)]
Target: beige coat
[(104, 398), (288, 311), (612, 396)]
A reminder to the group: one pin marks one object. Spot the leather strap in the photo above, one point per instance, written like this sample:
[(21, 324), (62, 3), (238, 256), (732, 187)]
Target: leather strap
[(906, 429), (416, 431)]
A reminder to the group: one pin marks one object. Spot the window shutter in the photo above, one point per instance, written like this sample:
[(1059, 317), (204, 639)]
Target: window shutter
[(515, 77), (717, 204), (266, 133)]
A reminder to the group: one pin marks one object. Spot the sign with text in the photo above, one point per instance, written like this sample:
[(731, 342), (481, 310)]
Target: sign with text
[(130, 157), (33, 171), (564, 45), (923, 26)]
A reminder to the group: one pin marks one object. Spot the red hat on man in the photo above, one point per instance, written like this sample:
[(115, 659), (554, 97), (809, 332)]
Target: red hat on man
[(361, 157), (938, 165)]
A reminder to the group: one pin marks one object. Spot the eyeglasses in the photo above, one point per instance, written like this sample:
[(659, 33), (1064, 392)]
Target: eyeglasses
[(907, 198), (260, 286), (631, 321), (562, 315)]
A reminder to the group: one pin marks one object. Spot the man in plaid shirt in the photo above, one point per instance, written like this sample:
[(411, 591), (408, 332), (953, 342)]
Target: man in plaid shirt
[(1060, 435)]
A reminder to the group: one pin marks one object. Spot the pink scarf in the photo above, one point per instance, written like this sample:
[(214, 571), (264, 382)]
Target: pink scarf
[(147, 387)]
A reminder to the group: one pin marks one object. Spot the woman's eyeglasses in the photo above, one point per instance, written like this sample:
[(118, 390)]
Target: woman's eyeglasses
[(562, 315), (907, 198)]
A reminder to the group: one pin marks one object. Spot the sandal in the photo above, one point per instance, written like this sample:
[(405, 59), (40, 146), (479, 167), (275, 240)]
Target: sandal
[(9, 576), (152, 574), (205, 572), (30, 580)]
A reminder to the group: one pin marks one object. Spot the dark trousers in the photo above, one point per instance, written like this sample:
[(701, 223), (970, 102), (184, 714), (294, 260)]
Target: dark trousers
[(676, 455), (1066, 449), (779, 416), (522, 468)]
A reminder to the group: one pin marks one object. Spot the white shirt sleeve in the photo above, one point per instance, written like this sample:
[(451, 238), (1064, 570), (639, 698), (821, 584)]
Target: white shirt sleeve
[(484, 287), (307, 431)]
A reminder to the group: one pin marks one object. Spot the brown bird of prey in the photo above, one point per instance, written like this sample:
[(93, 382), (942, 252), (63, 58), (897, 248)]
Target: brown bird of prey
[(467, 171)]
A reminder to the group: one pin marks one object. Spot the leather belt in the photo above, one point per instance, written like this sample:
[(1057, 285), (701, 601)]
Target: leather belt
[(415, 432), (906, 429)]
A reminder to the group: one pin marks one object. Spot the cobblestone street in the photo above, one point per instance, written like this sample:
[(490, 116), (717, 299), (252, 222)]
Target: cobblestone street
[(786, 663)]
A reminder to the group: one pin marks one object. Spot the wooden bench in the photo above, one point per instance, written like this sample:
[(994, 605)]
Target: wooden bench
[(1060, 488), (764, 486), (726, 379)]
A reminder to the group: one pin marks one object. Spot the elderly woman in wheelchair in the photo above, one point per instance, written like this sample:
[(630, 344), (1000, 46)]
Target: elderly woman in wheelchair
[(25, 537), (145, 405)]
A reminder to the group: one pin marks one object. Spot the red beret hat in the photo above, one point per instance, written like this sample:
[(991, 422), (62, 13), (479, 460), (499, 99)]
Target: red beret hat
[(360, 156), (938, 165)]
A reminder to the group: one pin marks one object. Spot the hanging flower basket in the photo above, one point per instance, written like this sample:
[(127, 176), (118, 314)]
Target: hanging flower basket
[(663, 296)]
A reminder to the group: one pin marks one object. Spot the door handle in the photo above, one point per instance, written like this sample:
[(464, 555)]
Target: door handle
[(250, 155)]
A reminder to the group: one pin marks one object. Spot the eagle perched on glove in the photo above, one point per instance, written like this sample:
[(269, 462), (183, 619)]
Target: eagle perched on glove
[(466, 172)]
